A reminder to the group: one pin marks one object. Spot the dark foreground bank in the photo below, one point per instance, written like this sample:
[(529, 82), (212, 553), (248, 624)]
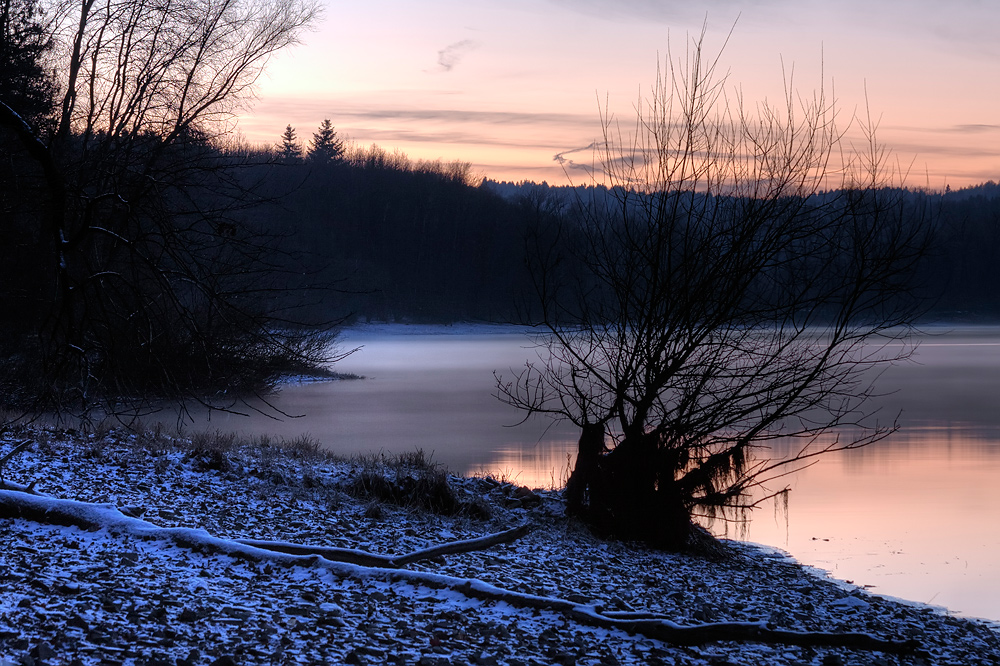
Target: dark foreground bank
[(126, 592)]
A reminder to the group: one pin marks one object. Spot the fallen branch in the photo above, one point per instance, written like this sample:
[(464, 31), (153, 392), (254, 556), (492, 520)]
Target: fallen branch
[(9, 485), (46, 510), (367, 559)]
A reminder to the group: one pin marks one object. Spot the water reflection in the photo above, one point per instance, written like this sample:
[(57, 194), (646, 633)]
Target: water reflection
[(544, 465), (913, 515)]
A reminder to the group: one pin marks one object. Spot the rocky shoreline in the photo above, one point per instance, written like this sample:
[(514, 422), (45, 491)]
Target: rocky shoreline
[(73, 596)]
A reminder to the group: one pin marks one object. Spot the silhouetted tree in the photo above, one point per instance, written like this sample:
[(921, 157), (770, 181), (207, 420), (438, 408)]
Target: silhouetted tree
[(24, 41), (325, 146), (27, 86), (724, 292), (154, 286), (289, 150)]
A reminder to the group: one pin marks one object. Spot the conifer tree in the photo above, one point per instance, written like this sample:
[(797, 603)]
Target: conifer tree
[(325, 146), (289, 149), (25, 86)]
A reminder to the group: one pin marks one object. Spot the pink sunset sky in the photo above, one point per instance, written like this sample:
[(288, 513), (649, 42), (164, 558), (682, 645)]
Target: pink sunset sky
[(516, 86)]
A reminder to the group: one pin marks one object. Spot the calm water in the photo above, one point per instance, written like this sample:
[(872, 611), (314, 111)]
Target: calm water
[(914, 516)]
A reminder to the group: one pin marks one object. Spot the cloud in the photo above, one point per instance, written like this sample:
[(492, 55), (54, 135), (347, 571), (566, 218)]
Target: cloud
[(569, 164), (661, 11), (451, 55), (975, 129), (462, 116), (363, 110), (356, 112), (461, 138)]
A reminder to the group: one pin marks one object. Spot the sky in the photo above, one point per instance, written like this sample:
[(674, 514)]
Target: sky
[(518, 87)]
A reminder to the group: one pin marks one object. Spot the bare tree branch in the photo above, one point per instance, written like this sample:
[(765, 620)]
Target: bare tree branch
[(737, 279)]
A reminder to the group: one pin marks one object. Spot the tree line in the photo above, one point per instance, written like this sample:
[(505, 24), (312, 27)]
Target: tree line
[(427, 242)]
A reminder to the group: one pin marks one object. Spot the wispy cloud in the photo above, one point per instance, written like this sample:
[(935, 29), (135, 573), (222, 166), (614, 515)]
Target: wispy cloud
[(569, 164), (391, 136), (661, 11), (353, 112), (451, 55), (975, 129), (462, 116)]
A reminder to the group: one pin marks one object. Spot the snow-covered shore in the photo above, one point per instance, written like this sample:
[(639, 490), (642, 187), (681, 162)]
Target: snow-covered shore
[(69, 596)]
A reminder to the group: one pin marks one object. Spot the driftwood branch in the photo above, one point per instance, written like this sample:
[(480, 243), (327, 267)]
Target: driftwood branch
[(46, 510), (9, 485), (367, 559)]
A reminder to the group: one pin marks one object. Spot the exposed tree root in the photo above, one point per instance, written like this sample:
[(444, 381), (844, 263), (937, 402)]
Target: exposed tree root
[(367, 559), (15, 504)]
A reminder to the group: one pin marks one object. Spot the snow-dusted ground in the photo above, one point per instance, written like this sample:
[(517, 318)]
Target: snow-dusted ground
[(70, 596)]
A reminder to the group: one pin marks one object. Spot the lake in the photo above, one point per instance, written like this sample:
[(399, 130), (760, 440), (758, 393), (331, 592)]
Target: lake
[(913, 516)]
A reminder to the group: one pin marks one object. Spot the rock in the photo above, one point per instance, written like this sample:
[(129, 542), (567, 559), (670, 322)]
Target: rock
[(238, 613), (523, 497), (194, 656), (42, 652), (158, 614), (433, 660), (97, 637), (133, 511), (300, 610), (79, 623), (331, 609), (563, 658), (328, 620), (187, 615), (850, 603), (620, 604)]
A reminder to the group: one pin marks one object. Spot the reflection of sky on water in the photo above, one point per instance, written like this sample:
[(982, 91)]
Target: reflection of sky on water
[(545, 465), (914, 515)]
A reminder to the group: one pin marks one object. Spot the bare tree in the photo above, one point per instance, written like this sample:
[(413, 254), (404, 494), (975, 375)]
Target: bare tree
[(158, 287), (735, 284)]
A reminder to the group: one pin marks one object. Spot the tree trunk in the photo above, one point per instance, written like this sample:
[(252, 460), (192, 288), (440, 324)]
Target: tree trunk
[(631, 492), (588, 460)]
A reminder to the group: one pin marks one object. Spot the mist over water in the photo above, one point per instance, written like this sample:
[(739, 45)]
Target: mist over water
[(914, 516), (428, 388)]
